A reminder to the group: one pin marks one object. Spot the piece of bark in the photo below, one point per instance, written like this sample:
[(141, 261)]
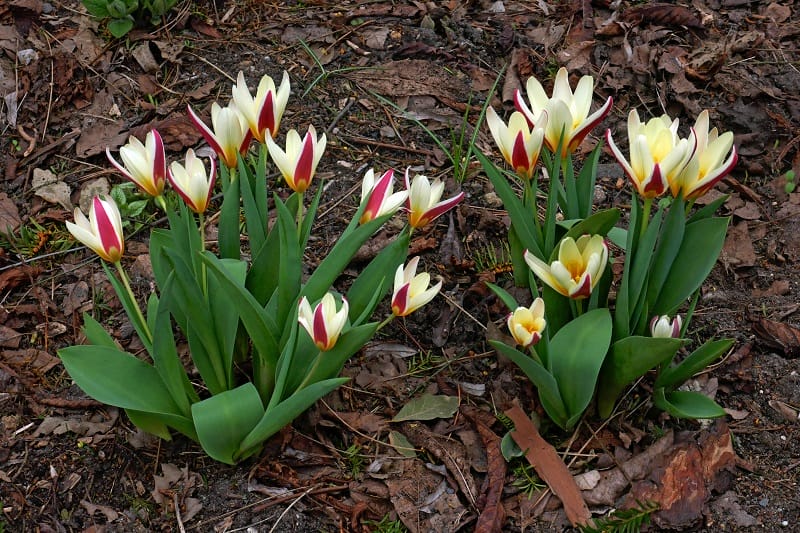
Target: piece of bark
[(489, 502), (549, 466)]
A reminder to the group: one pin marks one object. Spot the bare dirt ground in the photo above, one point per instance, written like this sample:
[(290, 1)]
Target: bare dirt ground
[(69, 464)]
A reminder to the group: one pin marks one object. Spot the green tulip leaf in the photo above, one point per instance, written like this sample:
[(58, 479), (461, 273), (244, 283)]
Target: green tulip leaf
[(576, 354), (259, 324), (339, 257), (376, 279), (521, 220), (669, 243), (150, 423), (117, 378), (119, 27), (699, 359), (702, 244), (599, 223), (546, 384), (284, 412), (96, 334), (628, 360), (687, 404), (223, 421), (504, 296), (427, 407)]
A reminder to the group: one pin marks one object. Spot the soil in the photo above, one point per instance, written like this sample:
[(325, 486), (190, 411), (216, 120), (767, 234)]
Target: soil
[(70, 89)]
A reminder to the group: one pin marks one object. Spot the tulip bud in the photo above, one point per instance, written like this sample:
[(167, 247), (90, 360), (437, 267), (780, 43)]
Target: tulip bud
[(662, 327)]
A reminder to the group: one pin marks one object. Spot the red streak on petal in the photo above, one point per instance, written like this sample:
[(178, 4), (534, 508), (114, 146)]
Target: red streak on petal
[(585, 288), (159, 163), (108, 236), (400, 300), (519, 156), (657, 183), (302, 172), (320, 331), (438, 210), (207, 134), (266, 116)]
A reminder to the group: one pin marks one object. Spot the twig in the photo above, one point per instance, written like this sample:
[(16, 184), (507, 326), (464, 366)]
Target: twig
[(278, 521), (177, 505)]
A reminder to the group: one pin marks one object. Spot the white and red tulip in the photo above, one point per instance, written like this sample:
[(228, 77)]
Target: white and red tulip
[(577, 270), (378, 196), (102, 231), (663, 327), (526, 324), (228, 136), (323, 323), (423, 203), (411, 290), (298, 162), (708, 164), (519, 144), (566, 111), (191, 181), (143, 164), (263, 112)]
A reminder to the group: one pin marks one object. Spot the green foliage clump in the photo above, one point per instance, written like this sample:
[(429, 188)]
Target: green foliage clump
[(123, 14)]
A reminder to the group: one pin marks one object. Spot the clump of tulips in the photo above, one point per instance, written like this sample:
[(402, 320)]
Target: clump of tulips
[(574, 342), (292, 332)]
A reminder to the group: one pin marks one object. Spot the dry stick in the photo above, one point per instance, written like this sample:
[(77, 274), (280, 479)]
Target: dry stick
[(50, 96), (544, 459), (278, 521), (362, 140), (177, 505)]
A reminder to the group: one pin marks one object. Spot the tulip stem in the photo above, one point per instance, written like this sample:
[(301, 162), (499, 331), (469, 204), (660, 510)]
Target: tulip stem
[(648, 206), (161, 202), (305, 382), (299, 215), (203, 269), (139, 316)]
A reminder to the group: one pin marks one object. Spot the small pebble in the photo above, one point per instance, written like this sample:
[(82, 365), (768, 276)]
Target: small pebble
[(785, 523), (763, 502)]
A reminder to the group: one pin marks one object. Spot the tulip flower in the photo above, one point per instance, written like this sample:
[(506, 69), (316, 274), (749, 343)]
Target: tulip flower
[(229, 135), (143, 164), (192, 183), (411, 289), (323, 323), (264, 111), (526, 324), (577, 270), (708, 164), (378, 196), (519, 144), (567, 112), (299, 162), (663, 327), (423, 200), (657, 153), (102, 231)]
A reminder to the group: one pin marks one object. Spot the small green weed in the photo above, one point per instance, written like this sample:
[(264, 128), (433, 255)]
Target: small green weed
[(624, 520), (525, 479), (386, 525), (354, 459), (790, 184)]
